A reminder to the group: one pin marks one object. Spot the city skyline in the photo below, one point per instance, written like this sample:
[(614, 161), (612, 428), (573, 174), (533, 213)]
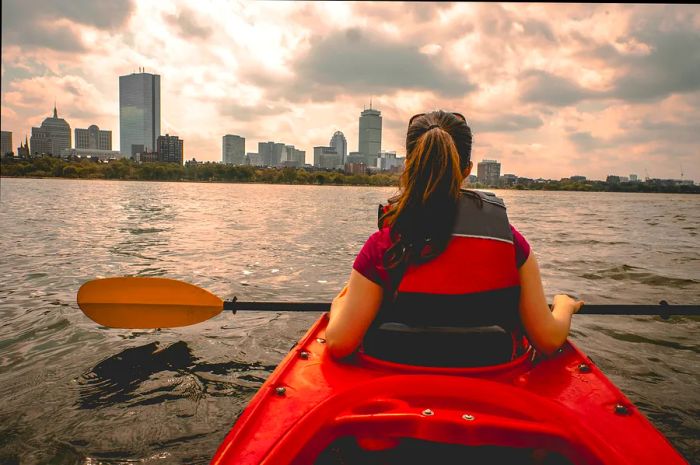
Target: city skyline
[(549, 90)]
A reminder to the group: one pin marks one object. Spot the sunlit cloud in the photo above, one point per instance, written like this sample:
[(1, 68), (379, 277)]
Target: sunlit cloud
[(551, 90)]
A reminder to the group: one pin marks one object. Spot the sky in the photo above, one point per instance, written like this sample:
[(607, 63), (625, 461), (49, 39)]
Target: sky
[(550, 90)]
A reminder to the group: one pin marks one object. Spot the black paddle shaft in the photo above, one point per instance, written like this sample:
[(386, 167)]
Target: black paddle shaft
[(663, 309)]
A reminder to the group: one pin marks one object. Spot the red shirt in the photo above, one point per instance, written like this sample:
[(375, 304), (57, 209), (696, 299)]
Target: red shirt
[(369, 262)]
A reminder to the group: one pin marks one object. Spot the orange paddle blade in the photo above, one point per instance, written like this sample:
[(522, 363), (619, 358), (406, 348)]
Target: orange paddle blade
[(146, 303)]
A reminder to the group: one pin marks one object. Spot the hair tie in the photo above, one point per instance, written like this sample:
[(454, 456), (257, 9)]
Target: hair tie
[(433, 126)]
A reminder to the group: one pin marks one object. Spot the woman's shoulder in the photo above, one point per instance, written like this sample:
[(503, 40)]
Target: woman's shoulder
[(381, 238)]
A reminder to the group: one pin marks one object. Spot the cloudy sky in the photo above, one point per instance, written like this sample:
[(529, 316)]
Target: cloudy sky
[(550, 90)]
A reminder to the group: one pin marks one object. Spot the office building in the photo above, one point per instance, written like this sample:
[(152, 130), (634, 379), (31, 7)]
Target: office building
[(170, 149), (340, 144), (370, 136), (6, 143), (388, 161), (488, 172), (326, 157), (52, 137), (509, 180), (355, 168), (295, 157), (253, 159), (272, 153), (233, 150), (356, 157), (93, 138), (139, 112)]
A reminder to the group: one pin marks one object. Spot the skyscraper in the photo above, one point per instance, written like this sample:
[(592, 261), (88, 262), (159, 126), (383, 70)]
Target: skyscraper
[(139, 112), (326, 157), (341, 145), (233, 150), (52, 137), (6, 146), (370, 136), (272, 153), (295, 157), (93, 138), (488, 172), (170, 149)]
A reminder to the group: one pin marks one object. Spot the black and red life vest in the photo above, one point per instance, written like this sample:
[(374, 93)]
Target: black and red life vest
[(474, 282)]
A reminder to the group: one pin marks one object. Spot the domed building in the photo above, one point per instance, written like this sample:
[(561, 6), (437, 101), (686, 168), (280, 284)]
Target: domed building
[(340, 144), (52, 137)]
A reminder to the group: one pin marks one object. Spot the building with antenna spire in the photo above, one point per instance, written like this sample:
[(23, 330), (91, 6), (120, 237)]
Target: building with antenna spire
[(370, 135), (52, 137), (139, 112)]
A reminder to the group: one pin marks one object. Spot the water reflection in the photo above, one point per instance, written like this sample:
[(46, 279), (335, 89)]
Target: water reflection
[(117, 379)]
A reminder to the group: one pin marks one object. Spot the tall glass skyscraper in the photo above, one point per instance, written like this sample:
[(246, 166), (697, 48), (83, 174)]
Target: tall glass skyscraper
[(139, 112), (370, 135)]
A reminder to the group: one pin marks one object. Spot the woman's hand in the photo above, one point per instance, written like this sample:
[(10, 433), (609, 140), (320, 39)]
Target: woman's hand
[(566, 303)]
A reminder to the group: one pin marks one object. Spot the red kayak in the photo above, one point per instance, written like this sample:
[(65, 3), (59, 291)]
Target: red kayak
[(534, 409)]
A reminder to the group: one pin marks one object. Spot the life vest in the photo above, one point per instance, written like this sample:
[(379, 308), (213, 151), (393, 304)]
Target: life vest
[(474, 282)]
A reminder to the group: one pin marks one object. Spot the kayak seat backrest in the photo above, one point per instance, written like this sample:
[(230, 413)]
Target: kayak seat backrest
[(440, 346)]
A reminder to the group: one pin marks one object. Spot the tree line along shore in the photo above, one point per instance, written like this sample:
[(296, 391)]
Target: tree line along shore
[(128, 170)]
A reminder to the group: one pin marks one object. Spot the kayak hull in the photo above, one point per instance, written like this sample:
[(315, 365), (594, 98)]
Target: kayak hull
[(562, 404)]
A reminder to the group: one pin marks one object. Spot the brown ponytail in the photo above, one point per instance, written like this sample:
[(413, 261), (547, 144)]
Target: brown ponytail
[(438, 149)]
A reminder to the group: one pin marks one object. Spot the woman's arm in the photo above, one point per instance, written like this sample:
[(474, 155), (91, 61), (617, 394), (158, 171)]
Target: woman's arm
[(352, 312), (547, 330)]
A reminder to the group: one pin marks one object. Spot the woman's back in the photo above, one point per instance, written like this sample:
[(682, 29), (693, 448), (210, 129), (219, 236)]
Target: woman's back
[(446, 257)]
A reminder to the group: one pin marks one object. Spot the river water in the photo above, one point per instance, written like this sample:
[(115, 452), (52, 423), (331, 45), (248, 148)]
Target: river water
[(76, 392)]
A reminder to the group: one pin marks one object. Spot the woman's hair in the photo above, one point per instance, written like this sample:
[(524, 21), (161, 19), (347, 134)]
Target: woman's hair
[(422, 214)]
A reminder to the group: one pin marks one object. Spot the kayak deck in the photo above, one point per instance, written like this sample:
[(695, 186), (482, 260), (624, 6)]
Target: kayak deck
[(558, 410)]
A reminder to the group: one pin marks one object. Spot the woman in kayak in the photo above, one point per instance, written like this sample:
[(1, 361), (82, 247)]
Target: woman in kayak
[(445, 256)]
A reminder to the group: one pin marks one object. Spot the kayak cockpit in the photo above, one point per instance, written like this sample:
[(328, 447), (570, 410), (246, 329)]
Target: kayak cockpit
[(394, 415), (547, 410)]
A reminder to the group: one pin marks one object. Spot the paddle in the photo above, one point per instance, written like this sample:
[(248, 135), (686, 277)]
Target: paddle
[(141, 303)]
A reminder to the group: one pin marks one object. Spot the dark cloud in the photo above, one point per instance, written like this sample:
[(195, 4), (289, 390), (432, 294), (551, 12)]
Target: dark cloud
[(543, 87), (508, 123), (539, 29), (680, 137), (683, 133), (187, 24), (250, 112), (32, 24), (362, 62), (672, 66), (585, 142), (63, 40)]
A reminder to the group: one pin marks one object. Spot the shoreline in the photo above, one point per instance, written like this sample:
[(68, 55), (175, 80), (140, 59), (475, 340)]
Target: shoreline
[(695, 189)]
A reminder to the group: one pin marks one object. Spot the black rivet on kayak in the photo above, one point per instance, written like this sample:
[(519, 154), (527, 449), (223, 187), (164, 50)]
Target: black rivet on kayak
[(621, 409), (304, 355), (280, 391), (427, 412), (583, 368), (468, 417), (560, 350), (320, 340)]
